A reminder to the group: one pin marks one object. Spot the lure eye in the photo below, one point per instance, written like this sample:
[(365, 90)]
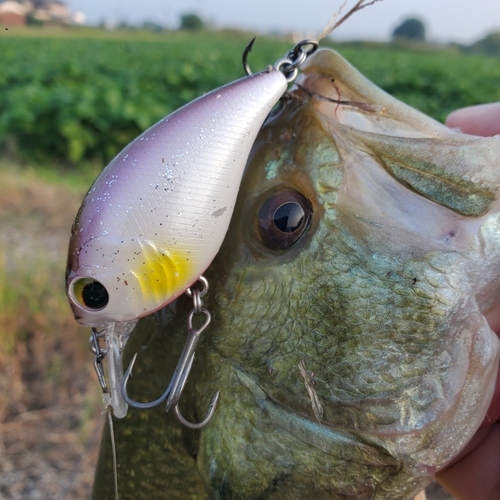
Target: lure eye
[(90, 293), (283, 218)]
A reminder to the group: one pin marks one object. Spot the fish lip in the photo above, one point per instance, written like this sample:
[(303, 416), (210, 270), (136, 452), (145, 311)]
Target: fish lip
[(305, 429), (330, 64), (264, 399)]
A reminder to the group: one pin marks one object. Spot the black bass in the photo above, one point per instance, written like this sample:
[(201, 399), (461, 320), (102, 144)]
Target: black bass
[(348, 339)]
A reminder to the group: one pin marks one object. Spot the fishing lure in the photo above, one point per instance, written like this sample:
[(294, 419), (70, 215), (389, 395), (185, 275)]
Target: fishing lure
[(156, 217)]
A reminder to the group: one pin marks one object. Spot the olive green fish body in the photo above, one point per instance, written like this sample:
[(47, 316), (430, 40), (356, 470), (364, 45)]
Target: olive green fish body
[(347, 340)]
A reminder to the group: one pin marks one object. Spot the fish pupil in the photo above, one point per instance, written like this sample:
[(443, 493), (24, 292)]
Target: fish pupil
[(288, 217), (94, 295), (282, 219)]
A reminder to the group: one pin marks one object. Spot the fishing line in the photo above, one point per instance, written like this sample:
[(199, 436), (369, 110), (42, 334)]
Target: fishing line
[(100, 354), (109, 411), (333, 24)]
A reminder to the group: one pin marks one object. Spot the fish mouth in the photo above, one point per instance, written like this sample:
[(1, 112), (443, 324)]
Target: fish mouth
[(315, 433), (343, 93)]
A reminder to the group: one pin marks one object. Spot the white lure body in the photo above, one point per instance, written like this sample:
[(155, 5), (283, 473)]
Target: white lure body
[(155, 218)]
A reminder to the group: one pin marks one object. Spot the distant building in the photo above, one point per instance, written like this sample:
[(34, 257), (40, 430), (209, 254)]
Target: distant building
[(51, 11), (13, 13), (17, 13)]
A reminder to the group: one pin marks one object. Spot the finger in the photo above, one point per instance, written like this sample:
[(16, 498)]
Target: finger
[(476, 475), (483, 119), (493, 318), (493, 413)]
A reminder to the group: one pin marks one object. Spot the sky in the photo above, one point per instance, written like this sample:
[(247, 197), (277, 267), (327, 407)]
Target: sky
[(463, 21)]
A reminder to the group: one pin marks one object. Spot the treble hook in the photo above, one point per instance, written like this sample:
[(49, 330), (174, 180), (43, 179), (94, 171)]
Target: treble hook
[(175, 387)]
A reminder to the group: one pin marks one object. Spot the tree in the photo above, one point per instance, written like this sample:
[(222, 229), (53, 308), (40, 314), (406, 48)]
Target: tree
[(191, 22), (411, 29), (149, 25), (490, 44)]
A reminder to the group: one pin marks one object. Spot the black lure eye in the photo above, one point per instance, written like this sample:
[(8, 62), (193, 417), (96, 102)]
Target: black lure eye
[(283, 219), (90, 293)]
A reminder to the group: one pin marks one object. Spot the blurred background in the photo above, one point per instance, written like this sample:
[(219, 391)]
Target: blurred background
[(78, 81)]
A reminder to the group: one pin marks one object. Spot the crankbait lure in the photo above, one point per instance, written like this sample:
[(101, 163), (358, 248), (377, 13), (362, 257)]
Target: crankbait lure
[(157, 215)]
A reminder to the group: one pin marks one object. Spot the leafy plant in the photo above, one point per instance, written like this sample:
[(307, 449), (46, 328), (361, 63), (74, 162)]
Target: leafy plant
[(83, 95)]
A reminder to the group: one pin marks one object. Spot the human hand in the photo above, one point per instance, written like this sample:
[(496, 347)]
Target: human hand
[(475, 473)]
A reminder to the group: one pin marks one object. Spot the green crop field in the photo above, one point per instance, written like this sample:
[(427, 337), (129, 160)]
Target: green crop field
[(83, 95), (72, 99)]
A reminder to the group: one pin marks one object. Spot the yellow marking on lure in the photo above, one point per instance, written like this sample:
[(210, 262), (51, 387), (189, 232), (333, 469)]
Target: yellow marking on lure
[(161, 272)]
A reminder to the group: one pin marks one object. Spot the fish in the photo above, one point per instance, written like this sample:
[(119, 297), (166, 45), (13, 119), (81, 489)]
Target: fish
[(156, 216), (348, 337)]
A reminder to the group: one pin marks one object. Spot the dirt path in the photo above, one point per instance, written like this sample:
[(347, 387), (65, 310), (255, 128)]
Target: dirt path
[(42, 456)]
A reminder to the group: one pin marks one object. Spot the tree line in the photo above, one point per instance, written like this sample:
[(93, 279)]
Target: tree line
[(414, 29)]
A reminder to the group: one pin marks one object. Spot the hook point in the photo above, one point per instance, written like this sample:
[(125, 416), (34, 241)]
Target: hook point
[(214, 400), (128, 373), (247, 51)]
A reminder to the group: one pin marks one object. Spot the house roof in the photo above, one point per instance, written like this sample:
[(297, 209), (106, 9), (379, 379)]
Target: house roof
[(13, 8)]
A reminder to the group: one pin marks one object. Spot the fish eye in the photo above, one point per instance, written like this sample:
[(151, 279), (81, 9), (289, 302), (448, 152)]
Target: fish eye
[(283, 219), (90, 293)]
